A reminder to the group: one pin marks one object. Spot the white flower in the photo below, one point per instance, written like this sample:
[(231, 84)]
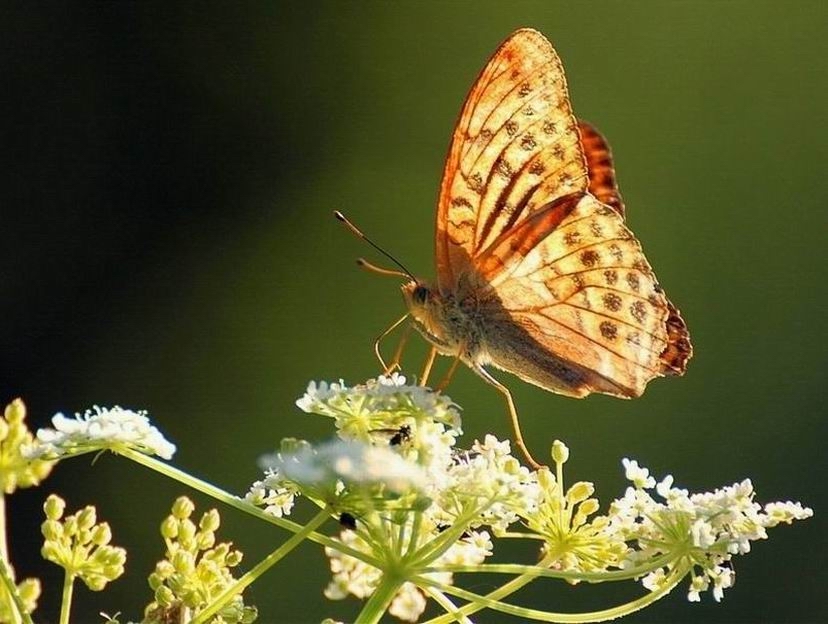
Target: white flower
[(488, 478), (350, 575), (338, 470), (101, 428), (710, 527), (698, 584), (723, 578), (382, 403), (277, 501), (654, 580), (640, 476), (409, 603), (777, 513), (470, 550)]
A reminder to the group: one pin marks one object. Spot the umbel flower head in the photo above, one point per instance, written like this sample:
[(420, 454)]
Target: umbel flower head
[(80, 544), (18, 470), (194, 571), (704, 530), (115, 429), (414, 510)]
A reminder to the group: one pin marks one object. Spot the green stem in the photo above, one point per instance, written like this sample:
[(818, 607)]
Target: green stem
[(254, 573), (66, 601), (378, 603), (4, 549), (240, 504), (540, 570), (478, 602), (450, 608), (8, 587)]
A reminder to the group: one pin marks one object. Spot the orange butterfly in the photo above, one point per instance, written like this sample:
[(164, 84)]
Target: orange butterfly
[(537, 274)]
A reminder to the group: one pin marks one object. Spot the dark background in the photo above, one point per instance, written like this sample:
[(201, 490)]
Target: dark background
[(167, 180)]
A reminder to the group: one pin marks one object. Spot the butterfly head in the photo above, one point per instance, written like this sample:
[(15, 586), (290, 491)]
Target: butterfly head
[(418, 297), (422, 302), (432, 314)]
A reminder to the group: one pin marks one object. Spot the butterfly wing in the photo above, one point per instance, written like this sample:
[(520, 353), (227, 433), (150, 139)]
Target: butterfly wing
[(516, 149), (581, 310), (530, 220), (598, 156)]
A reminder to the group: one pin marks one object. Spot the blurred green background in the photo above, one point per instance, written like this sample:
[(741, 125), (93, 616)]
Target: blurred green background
[(167, 185)]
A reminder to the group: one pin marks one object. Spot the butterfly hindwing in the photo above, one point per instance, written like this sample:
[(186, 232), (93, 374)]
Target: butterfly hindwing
[(598, 156), (588, 299)]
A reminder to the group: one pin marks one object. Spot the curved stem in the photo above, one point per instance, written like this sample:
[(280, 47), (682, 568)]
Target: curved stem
[(240, 504), (539, 570), (478, 602), (66, 600), (254, 573), (450, 608)]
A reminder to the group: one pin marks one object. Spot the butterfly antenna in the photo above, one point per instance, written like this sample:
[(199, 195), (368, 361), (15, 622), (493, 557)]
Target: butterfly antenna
[(367, 265)]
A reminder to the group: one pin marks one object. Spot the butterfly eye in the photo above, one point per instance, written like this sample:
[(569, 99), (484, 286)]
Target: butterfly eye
[(420, 295)]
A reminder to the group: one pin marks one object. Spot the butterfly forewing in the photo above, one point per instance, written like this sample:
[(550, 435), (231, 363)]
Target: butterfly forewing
[(515, 150)]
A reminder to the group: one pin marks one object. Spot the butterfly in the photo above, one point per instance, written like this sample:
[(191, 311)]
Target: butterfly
[(537, 272)]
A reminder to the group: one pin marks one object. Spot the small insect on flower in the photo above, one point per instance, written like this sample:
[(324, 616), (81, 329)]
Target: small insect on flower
[(396, 437), (347, 521)]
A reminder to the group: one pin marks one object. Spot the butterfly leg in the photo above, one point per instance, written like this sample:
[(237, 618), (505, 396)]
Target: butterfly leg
[(396, 361), (445, 381), (482, 372), (427, 367)]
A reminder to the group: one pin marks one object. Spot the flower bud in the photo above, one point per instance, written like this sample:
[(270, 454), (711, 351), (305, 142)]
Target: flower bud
[(164, 596), (183, 507), (29, 590), (164, 569), (15, 412), (210, 521), (560, 452), (54, 507), (111, 572), (51, 552), (546, 479), (182, 562), (205, 540), (87, 518), (52, 530), (169, 528), (579, 492), (95, 583), (234, 558), (186, 533), (70, 526)]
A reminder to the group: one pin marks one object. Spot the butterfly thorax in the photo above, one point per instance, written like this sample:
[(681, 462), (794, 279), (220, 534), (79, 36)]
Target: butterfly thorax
[(450, 321)]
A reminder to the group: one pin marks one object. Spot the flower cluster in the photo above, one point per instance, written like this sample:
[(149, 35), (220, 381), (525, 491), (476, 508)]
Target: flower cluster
[(114, 429), (80, 545), (194, 571), (397, 477), (705, 529), (16, 469), (571, 541), (414, 509)]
